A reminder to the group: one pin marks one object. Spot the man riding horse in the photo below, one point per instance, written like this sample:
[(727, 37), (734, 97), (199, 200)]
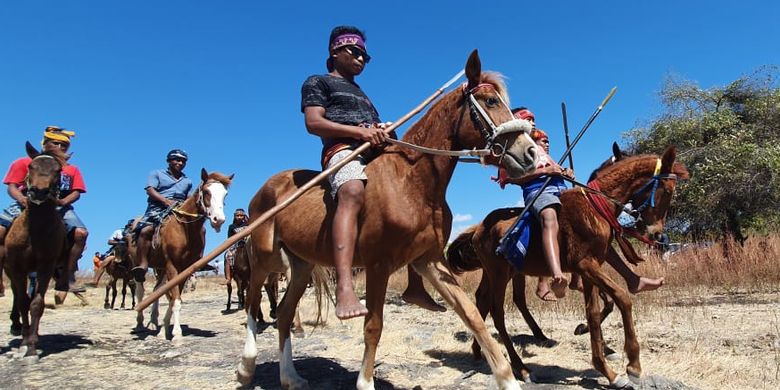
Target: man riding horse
[(70, 190), (166, 188)]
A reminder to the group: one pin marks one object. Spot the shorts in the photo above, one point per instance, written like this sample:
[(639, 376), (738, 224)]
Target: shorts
[(544, 201), (153, 216), (69, 217), (353, 170)]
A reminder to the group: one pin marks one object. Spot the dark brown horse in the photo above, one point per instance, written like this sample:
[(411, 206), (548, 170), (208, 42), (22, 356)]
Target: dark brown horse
[(36, 242), (181, 242), (405, 220), (119, 269), (241, 273), (585, 241)]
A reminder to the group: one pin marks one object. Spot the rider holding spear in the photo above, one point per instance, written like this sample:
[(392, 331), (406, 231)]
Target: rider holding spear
[(340, 113)]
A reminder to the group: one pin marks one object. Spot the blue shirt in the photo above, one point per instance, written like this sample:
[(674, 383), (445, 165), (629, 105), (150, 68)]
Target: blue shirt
[(168, 186)]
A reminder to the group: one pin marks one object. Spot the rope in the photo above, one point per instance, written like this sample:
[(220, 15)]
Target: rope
[(440, 152)]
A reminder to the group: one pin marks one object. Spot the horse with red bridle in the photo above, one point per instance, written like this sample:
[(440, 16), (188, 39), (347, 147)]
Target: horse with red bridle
[(587, 221), (36, 242), (180, 242), (405, 220)]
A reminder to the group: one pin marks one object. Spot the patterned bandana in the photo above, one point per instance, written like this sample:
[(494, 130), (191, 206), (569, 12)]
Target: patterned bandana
[(537, 134), (525, 115), (348, 40), (56, 133)]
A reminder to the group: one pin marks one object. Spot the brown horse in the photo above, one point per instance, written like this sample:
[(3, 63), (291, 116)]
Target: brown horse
[(36, 242), (119, 269), (585, 241), (181, 243), (405, 220)]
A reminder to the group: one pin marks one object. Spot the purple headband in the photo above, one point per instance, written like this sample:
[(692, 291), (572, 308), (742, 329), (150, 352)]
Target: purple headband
[(347, 40)]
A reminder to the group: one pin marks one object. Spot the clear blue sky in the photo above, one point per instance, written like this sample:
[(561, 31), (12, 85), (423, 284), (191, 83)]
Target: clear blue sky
[(221, 79)]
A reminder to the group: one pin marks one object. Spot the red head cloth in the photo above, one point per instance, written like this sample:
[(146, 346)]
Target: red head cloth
[(537, 134), (525, 114)]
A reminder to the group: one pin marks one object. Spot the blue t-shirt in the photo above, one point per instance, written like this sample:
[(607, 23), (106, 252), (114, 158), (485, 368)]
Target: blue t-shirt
[(168, 186)]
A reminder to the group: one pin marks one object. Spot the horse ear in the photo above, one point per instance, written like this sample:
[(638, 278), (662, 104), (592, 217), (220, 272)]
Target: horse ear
[(231, 176), (204, 175), (667, 160), (473, 69), (31, 151), (616, 152)]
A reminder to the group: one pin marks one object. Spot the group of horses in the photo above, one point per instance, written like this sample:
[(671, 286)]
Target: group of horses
[(405, 220)]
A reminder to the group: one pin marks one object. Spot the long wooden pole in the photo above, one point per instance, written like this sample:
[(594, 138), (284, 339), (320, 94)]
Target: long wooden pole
[(183, 275)]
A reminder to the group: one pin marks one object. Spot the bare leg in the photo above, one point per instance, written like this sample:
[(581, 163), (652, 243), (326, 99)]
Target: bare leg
[(549, 221), (101, 269), (2, 259), (79, 242), (636, 283), (143, 244), (416, 294), (350, 201)]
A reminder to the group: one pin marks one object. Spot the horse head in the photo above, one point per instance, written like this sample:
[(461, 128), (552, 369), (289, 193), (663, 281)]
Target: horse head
[(647, 182), (43, 175), (211, 196), (491, 125), (616, 156)]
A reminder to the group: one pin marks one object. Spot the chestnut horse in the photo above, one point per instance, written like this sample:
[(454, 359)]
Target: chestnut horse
[(405, 219), (36, 242), (119, 269), (181, 243), (585, 242)]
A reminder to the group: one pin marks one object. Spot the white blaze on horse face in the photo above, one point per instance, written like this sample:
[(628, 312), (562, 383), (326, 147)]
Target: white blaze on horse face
[(216, 211)]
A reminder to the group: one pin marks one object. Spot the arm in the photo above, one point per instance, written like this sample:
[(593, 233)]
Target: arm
[(69, 199), (16, 194), (157, 197), (550, 170), (317, 124)]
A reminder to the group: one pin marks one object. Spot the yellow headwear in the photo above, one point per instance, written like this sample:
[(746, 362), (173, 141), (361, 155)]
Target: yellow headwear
[(57, 133)]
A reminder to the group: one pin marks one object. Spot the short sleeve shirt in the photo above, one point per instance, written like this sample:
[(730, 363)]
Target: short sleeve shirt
[(168, 186), (344, 103), (70, 177)]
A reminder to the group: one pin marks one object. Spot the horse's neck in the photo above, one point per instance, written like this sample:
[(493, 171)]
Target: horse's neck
[(190, 206), (40, 217)]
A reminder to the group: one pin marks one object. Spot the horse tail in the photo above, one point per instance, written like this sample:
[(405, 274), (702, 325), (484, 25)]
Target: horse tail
[(320, 279), (461, 254)]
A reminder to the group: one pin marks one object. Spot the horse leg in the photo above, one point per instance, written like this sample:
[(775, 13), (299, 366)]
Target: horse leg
[(591, 295), (518, 297), (113, 292), (301, 272), (124, 293), (229, 285), (139, 297), (376, 287), (497, 312), (132, 290), (154, 316), (608, 306), (272, 290), (19, 290), (36, 312), (446, 284), (482, 296), (105, 302), (246, 366)]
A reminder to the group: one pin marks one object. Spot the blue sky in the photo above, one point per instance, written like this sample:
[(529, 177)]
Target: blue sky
[(222, 79)]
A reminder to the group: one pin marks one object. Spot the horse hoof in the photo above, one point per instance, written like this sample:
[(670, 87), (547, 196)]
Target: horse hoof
[(581, 329), (529, 378), (106, 306), (16, 330), (246, 370), (621, 382), (632, 373)]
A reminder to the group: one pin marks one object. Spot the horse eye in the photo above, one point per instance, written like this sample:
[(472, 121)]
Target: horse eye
[(491, 102)]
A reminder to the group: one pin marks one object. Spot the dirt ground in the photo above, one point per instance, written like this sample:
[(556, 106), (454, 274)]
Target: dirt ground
[(714, 342)]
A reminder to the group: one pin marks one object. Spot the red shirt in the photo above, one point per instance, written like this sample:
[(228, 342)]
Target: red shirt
[(70, 178)]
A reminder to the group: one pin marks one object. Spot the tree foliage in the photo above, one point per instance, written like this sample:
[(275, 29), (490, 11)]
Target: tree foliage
[(729, 138)]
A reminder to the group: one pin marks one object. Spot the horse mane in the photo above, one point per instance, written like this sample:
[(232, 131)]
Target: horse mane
[(435, 116), (642, 162), (218, 177)]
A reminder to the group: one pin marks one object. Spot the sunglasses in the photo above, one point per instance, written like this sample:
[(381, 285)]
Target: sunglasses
[(357, 53), (60, 144)]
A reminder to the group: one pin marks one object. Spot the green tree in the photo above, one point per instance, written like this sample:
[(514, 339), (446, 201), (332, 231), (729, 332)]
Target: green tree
[(729, 138)]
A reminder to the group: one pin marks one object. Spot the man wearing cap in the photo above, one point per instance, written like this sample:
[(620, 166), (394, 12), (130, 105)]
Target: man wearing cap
[(166, 188), (340, 113), (71, 187)]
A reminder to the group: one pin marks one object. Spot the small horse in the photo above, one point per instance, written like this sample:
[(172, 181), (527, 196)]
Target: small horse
[(36, 242), (405, 220), (241, 274), (119, 269), (585, 241), (181, 243)]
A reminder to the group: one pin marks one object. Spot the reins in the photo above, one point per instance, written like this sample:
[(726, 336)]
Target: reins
[(199, 205)]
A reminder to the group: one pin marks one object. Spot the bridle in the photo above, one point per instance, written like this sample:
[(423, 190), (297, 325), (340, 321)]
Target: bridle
[(484, 124), (200, 207), (53, 189)]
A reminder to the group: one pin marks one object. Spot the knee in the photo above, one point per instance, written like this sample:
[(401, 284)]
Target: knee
[(351, 194), (549, 218), (80, 235)]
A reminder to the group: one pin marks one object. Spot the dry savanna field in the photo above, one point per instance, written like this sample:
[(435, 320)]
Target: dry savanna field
[(715, 325)]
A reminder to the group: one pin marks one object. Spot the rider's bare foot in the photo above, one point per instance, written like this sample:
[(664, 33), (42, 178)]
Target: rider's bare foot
[(423, 300), (558, 286), (348, 306), (646, 284), (544, 293)]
